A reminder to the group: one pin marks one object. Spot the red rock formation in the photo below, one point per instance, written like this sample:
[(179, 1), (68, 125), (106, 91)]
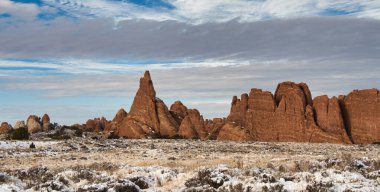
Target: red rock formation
[(361, 112), (96, 125), (214, 126), (197, 120), (33, 124), (290, 115), (194, 121), (234, 132), (119, 117), (148, 116), (187, 129), (46, 125), (5, 128), (179, 111), (287, 116), (301, 89), (168, 125), (329, 117)]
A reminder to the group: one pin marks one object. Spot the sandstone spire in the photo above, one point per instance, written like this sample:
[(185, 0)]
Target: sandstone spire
[(149, 116)]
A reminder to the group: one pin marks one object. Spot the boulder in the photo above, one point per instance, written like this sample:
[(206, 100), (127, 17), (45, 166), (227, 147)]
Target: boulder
[(34, 124), (5, 128), (19, 124), (46, 125)]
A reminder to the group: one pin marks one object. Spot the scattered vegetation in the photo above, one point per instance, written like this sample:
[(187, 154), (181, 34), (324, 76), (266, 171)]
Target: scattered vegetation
[(59, 134), (19, 134)]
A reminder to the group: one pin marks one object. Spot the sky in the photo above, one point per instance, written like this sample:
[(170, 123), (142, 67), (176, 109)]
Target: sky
[(80, 59)]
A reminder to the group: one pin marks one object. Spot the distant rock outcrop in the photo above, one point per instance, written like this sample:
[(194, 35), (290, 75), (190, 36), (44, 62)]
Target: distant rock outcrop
[(19, 124), (5, 128), (96, 124), (46, 125), (33, 124)]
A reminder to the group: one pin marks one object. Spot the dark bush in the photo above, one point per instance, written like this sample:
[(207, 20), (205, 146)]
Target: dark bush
[(206, 177), (59, 135), (78, 132), (19, 134), (112, 135), (140, 181)]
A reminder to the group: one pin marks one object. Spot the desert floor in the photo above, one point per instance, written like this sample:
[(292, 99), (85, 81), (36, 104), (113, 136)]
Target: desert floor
[(186, 165)]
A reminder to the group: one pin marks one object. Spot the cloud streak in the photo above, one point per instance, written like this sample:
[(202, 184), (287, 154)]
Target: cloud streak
[(203, 11), (149, 40)]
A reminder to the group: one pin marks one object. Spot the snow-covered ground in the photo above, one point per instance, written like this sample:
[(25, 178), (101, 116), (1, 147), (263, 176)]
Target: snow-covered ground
[(25, 144), (187, 165)]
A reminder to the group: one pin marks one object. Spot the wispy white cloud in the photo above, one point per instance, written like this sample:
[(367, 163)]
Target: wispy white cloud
[(27, 11), (201, 11)]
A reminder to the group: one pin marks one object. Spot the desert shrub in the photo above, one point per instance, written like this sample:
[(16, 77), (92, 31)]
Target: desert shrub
[(207, 177), (59, 135), (126, 185), (301, 166), (274, 188), (233, 188), (112, 135), (319, 187), (19, 134), (282, 168), (140, 181), (77, 132)]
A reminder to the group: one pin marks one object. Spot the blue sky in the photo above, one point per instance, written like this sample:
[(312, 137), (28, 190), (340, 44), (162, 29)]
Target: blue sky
[(80, 59)]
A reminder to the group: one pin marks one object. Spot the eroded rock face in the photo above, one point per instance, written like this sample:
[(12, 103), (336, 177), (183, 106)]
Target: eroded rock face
[(286, 116), (33, 124), (329, 116), (361, 111), (5, 128)]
